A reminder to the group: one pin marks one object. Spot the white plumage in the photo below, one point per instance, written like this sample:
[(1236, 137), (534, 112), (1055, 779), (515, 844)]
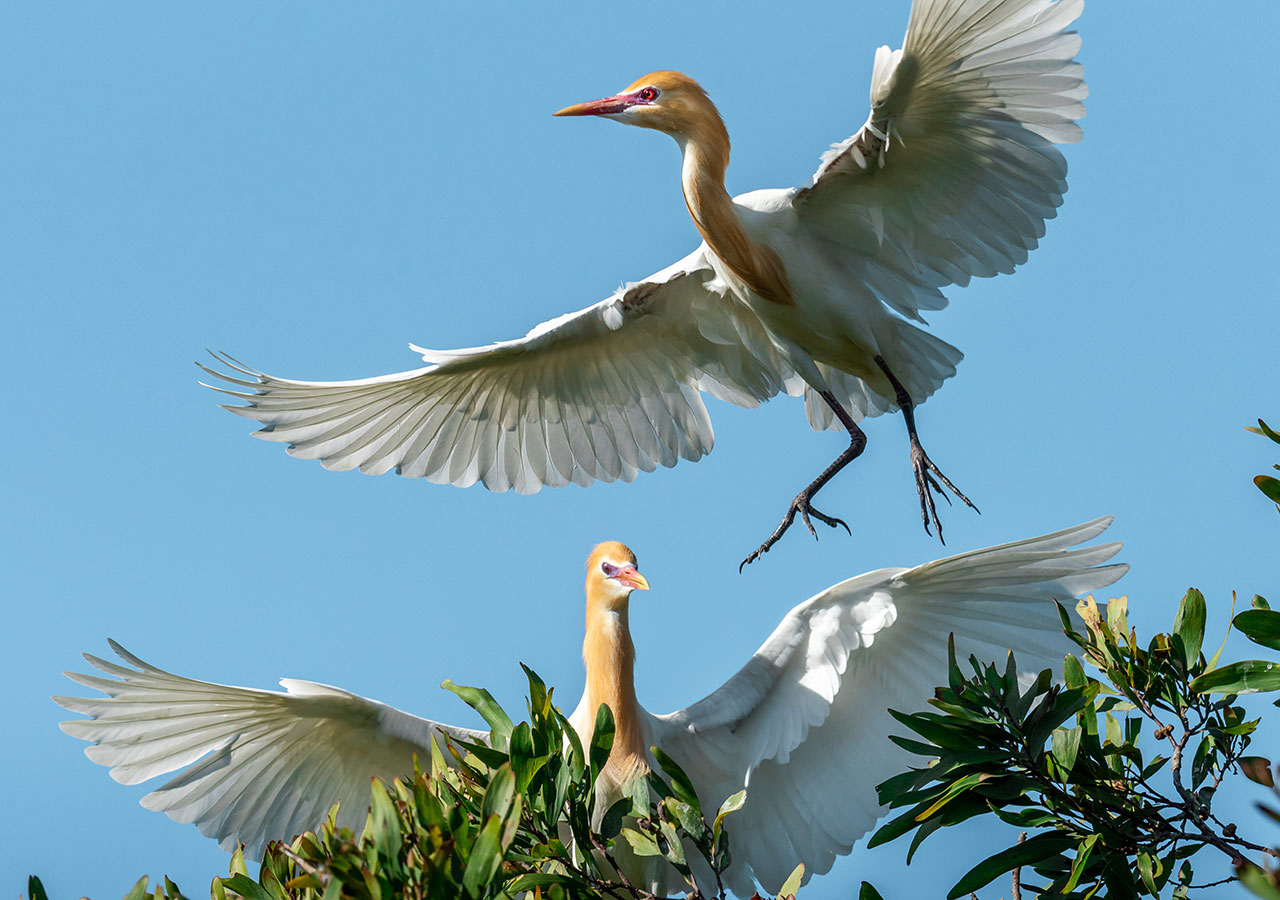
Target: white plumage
[(802, 725), (812, 290)]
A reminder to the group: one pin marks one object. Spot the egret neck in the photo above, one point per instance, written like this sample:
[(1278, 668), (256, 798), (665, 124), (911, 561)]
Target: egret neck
[(609, 656)]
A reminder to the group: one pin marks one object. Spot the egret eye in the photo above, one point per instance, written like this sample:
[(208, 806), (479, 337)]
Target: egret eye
[(648, 94), (608, 569)]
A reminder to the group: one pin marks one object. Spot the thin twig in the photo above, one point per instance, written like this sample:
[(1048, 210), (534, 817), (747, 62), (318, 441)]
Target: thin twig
[(1015, 889)]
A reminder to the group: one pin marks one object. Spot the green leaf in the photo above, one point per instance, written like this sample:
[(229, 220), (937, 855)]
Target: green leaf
[(1253, 878), (731, 804), (1066, 746), (482, 702), (485, 858), (384, 823), (529, 880), (243, 885), (680, 782), (524, 763), (867, 892), (1082, 859), (1245, 677), (1269, 486), (641, 844), (954, 790), (35, 890), (1042, 846), (1189, 625), (1073, 672), (792, 884), (611, 822), (1263, 429), (1260, 602), (1262, 626), (499, 795), (601, 739), (1149, 871)]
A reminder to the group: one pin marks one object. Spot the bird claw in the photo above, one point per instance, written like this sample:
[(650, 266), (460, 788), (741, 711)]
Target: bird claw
[(801, 506), (925, 470)]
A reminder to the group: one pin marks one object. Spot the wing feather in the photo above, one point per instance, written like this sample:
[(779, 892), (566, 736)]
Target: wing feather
[(956, 168), (601, 394), (252, 765), (804, 724)]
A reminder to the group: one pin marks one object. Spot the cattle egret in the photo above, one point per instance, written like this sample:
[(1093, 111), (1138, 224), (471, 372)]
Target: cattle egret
[(802, 726), (805, 290)]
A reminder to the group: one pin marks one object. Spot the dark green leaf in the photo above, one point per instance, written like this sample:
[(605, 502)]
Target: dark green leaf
[(1262, 626), (611, 824), (1269, 486), (482, 702), (1033, 850), (35, 890), (1260, 602), (1263, 429), (243, 885), (680, 782), (601, 739), (922, 832), (1244, 677), (867, 892), (1189, 625)]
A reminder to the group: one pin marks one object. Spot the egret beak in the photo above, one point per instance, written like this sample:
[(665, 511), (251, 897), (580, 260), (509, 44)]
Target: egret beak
[(606, 106), (631, 578)]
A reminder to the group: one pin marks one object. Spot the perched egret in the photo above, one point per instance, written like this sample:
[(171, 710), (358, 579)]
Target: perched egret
[(802, 726), (811, 290)]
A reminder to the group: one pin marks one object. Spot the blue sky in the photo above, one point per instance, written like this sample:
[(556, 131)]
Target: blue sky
[(310, 187)]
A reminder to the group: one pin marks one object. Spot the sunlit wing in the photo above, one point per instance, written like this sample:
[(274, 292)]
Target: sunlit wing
[(804, 724), (955, 171), (597, 395), (258, 765)]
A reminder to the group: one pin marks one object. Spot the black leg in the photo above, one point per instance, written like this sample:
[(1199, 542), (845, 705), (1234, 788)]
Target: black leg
[(923, 467), (802, 504)]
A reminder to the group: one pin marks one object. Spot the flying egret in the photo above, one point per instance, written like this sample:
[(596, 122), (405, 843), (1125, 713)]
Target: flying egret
[(802, 725), (810, 290)]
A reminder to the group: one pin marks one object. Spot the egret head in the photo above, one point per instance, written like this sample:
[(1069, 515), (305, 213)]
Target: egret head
[(667, 101), (612, 575)]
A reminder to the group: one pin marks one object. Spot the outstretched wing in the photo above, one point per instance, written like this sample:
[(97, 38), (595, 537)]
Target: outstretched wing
[(804, 724), (955, 171), (600, 394), (259, 765)]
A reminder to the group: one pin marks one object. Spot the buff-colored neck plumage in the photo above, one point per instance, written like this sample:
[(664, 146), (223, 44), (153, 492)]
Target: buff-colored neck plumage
[(610, 658), (685, 112)]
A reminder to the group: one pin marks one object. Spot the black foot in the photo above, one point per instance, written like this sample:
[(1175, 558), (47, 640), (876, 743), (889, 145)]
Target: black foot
[(925, 471), (801, 505)]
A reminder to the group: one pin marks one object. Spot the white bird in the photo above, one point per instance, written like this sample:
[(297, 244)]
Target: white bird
[(809, 290), (802, 726)]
